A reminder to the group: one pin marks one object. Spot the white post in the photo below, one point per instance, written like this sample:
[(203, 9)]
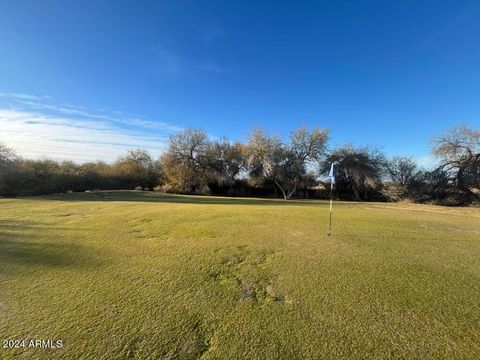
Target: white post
[(331, 205)]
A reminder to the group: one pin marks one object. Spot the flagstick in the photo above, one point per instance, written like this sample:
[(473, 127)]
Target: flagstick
[(331, 203)]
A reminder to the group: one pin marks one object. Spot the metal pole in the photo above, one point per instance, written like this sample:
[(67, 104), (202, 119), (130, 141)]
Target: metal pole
[(331, 203)]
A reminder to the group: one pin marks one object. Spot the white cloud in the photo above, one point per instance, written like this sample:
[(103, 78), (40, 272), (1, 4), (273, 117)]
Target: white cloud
[(24, 96), (73, 133)]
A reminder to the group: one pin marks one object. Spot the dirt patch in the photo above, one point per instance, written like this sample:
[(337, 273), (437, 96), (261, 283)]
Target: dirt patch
[(251, 273), (274, 294), (248, 292)]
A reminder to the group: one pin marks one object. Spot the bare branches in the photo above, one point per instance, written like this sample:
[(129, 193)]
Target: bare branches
[(285, 164), (402, 170), (459, 153), (359, 169)]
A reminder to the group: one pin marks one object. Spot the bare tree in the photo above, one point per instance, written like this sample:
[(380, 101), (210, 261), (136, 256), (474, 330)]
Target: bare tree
[(184, 162), (306, 148), (224, 161), (402, 170), (265, 157), (285, 164), (358, 169), (7, 156), (7, 163), (137, 168), (193, 162), (458, 151)]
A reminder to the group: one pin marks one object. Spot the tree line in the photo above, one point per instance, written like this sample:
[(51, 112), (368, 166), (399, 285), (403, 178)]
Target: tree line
[(263, 165)]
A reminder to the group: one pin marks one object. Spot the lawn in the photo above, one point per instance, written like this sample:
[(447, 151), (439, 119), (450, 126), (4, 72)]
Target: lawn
[(144, 275)]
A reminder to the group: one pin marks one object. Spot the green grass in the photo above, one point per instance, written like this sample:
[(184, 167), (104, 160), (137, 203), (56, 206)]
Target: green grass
[(144, 275)]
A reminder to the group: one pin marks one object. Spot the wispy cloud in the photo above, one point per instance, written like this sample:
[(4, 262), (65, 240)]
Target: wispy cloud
[(24, 96), (468, 13), (37, 128)]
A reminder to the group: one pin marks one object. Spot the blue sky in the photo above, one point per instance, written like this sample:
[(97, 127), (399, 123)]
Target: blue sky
[(89, 79)]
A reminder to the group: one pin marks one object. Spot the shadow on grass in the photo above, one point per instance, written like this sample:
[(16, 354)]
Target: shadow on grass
[(153, 197), (19, 245)]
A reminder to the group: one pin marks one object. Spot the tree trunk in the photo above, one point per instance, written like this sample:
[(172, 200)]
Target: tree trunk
[(281, 189), (289, 196), (356, 194), (461, 181)]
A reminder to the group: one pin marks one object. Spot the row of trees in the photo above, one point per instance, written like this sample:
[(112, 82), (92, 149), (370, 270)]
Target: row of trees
[(193, 163), (263, 165), (20, 176)]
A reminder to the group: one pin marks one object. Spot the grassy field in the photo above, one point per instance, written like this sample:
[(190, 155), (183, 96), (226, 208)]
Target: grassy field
[(145, 275)]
